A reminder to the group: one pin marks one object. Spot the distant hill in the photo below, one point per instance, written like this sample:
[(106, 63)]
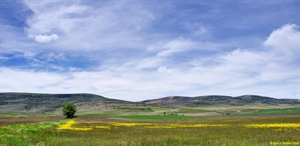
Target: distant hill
[(47, 103), (43, 103), (177, 101)]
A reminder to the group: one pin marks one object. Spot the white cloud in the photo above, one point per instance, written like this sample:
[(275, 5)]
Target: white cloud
[(165, 70), (179, 45), (27, 81), (53, 57), (234, 75), (113, 24), (148, 63), (176, 46), (46, 38), (52, 16), (239, 61), (29, 55), (285, 40)]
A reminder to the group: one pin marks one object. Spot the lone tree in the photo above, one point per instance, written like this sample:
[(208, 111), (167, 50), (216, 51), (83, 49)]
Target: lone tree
[(69, 109)]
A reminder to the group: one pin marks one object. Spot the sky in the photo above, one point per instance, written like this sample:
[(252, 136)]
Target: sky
[(140, 49)]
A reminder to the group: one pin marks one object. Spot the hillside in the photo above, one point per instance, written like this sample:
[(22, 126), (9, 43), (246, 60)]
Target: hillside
[(44, 103), (48, 103), (178, 101)]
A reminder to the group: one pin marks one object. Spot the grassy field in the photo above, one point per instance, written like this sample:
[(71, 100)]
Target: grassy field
[(243, 126)]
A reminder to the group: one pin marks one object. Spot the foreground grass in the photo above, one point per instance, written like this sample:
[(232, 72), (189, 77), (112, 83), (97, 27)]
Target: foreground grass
[(252, 130), (24, 134)]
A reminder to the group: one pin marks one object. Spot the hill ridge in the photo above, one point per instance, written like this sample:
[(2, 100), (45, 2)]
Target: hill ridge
[(44, 102), (218, 99)]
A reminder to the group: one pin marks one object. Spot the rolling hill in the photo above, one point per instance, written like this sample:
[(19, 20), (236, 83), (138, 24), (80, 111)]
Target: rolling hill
[(177, 101), (44, 103), (47, 103)]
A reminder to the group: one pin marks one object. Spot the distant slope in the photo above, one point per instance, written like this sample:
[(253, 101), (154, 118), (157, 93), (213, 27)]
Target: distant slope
[(47, 103), (175, 101), (43, 103)]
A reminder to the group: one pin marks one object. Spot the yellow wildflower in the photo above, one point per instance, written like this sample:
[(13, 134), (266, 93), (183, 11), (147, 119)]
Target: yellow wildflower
[(274, 125), (103, 127), (68, 126)]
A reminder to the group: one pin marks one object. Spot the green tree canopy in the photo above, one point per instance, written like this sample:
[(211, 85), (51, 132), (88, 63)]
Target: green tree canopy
[(69, 109)]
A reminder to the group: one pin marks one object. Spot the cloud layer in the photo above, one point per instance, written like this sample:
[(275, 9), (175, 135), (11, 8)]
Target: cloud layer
[(141, 50)]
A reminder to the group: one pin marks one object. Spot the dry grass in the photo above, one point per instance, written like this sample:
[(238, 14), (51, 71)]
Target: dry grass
[(21, 119), (151, 130), (251, 130)]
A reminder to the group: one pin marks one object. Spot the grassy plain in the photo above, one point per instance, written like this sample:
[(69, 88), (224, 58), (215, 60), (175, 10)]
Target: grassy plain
[(229, 125)]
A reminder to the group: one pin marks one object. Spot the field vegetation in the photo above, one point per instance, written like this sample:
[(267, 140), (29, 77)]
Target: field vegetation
[(265, 127), (37, 120)]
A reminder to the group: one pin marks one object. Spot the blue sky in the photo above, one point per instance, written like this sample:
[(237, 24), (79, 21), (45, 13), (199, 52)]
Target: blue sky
[(139, 49)]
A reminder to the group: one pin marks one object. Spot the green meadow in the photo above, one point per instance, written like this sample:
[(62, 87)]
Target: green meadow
[(196, 126)]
